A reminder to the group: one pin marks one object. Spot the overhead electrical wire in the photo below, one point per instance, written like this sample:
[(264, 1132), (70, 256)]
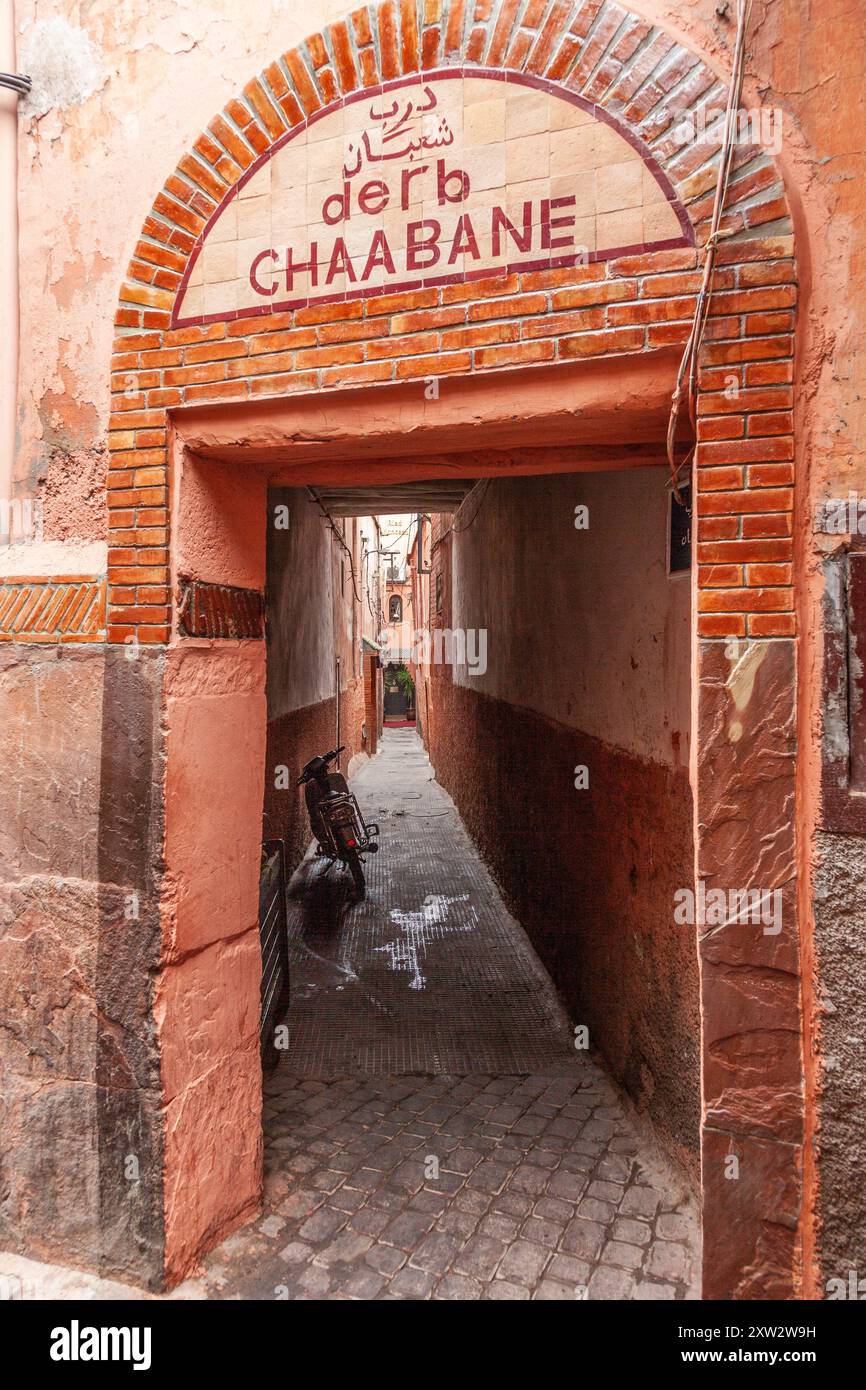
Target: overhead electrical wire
[(484, 484), (380, 619), (342, 541), (332, 524), (382, 550)]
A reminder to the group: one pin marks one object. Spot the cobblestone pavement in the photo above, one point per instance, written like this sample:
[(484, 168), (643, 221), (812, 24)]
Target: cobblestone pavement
[(447, 1187), (432, 1133)]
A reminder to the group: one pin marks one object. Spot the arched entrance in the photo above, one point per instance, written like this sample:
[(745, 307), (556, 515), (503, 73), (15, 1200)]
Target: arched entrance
[(244, 325)]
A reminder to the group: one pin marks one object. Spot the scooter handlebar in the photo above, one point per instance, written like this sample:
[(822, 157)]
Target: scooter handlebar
[(324, 760)]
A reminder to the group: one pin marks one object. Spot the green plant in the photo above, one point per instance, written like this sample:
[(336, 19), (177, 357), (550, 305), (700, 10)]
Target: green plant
[(406, 683)]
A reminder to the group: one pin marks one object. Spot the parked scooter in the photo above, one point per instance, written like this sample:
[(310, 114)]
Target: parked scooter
[(335, 818)]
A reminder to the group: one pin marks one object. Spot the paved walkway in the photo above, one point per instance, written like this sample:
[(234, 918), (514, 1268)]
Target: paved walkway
[(429, 973), (432, 1132)]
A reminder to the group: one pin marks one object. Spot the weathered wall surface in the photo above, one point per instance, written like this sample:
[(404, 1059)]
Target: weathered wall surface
[(118, 93), (206, 1006), (587, 666), (81, 1166), (840, 944), (584, 625), (312, 620), (813, 62), (302, 628), (751, 1020), (220, 523)]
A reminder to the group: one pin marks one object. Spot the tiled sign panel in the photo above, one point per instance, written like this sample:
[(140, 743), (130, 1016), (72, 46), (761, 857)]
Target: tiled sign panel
[(431, 181)]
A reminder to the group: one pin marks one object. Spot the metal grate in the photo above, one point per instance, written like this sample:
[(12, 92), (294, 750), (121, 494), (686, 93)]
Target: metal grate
[(274, 941)]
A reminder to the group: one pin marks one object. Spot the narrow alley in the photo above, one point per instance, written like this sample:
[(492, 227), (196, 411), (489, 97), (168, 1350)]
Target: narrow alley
[(431, 449), (432, 1132)]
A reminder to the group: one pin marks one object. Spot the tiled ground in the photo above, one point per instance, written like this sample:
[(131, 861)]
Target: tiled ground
[(431, 1132), (430, 973)]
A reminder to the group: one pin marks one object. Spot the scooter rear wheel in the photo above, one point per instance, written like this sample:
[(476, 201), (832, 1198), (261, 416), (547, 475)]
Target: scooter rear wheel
[(356, 869)]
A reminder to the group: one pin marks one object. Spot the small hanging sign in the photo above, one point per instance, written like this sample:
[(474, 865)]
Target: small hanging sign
[(680, 532)]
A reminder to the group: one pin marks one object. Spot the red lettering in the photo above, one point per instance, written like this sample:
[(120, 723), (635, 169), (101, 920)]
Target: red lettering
[(417, 246), (501, 222), (380, 255), (254, 282), (340, 263), (373, 197), (460, 194), (341, 212), (408, 175), (464, 240), (549, 242), (292, 269)]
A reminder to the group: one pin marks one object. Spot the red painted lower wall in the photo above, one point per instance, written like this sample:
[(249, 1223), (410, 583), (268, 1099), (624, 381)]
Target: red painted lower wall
[(591, 875)]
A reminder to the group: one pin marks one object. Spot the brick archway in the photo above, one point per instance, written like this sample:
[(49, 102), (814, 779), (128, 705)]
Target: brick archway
[(639, 81)]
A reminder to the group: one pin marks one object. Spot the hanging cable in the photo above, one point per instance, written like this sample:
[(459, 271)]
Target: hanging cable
[(405, 531), (380, 620), (484, 485), (16, 82), (381, 550), (332, 524), (688, 369)]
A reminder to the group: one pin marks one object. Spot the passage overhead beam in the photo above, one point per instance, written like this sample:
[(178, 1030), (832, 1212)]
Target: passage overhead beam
[(607, 413), (383, 500)]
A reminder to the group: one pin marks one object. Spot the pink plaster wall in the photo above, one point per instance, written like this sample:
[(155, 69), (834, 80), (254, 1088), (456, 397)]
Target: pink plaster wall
[(219, 522), (207, 1001), (126, 88), (215, 716), (8, 255), (208, 1015), (571, 633), (807, 61)]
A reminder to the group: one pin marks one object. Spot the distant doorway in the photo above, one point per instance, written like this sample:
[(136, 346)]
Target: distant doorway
[(399, 696)]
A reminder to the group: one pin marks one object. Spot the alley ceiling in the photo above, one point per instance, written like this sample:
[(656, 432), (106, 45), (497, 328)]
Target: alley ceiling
[(435, 495)]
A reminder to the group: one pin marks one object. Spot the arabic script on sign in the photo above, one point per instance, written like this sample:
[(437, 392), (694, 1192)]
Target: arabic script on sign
[(403, 129)]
